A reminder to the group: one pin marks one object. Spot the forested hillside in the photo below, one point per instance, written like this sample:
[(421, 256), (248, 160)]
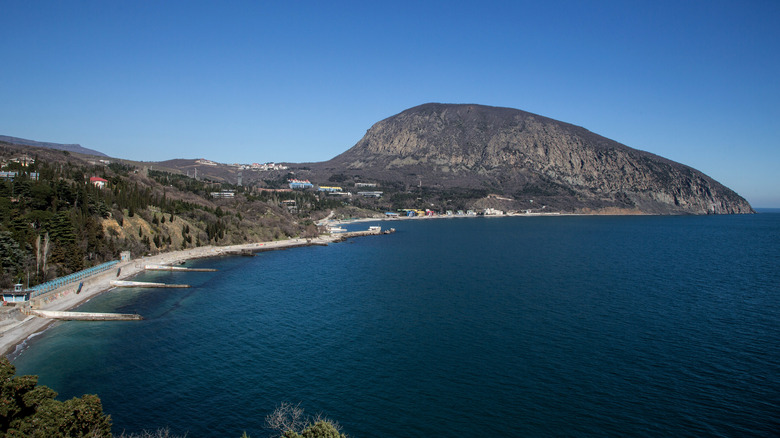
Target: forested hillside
[(54, 220)]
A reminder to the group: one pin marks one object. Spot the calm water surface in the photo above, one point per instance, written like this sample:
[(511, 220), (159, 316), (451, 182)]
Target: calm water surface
[(555, 326)]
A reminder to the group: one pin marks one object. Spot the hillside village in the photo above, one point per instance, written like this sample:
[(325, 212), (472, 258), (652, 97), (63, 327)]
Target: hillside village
[(61, 213)]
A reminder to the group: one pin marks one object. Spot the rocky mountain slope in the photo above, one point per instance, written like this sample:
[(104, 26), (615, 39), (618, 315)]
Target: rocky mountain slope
[(519, 156)]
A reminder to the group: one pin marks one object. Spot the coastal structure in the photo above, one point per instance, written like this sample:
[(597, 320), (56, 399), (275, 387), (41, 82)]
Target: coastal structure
[(223, 194), (82, 316), (98, 181), (126, 283), (17, 295), (176, 268), (300, 184), (62, 294)]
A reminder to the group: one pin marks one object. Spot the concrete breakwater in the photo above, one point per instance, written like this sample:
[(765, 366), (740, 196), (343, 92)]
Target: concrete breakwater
[(82, 316), (372, 231), (125, 283), (16, 327), (177, 268)]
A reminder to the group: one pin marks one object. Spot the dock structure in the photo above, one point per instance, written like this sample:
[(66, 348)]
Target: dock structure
[(372, 231), (177, 268), (49, 286), (124, 283), (82, 316)]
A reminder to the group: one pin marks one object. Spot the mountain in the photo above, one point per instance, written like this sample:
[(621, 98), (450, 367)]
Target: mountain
[(77, 148), (530, 161)]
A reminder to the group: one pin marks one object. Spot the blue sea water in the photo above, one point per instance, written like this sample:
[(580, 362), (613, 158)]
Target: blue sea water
[(516, 327)]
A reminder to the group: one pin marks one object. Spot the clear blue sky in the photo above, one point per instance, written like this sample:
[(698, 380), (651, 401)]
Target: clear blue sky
[(249, 81)]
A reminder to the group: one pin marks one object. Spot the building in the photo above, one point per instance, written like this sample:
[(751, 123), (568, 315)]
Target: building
[(23, 160), (10, 176), (291, 205), (329, 189), (300, 184), (365, 184), (98, 182), (264, 189), (18, 295), (224, 194), (266, 166), (370, 194)]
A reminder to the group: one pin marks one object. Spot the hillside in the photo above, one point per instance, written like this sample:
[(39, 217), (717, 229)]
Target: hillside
[(467, 152), (55, 220), (76, 148)]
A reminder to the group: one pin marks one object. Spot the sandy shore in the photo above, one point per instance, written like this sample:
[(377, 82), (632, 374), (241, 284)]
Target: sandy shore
[(19, 327)]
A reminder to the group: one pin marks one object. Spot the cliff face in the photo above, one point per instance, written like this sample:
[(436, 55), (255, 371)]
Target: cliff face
[(515, 153)]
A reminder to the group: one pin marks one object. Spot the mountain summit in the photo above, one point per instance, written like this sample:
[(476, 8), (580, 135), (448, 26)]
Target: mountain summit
[(524, 156)]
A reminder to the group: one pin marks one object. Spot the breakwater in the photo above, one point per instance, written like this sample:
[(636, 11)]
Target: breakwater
[(517, 327), (176, 268), (126, 283), (82, 316)]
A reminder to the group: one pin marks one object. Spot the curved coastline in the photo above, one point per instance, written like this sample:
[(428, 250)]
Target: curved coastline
[(15, 334)]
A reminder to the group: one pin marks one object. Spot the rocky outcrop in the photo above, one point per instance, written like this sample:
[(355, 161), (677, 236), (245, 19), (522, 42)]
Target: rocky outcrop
[(523, 155)]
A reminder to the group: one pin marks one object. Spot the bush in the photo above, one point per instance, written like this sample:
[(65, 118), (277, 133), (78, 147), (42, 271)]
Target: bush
[(28, 410), (289, 421)]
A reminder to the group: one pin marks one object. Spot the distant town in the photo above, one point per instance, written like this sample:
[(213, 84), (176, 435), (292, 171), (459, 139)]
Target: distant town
[(253, 166)]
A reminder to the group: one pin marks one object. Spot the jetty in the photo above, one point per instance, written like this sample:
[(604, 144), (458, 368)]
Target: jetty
[(82, 316), (125, 283), (372, 231), (177, 268)]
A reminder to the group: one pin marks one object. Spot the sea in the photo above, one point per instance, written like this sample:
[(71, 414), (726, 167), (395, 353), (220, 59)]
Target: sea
[(572, 326)]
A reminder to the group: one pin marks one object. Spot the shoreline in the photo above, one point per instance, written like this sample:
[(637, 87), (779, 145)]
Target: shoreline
[(15, 334), (21, 328)]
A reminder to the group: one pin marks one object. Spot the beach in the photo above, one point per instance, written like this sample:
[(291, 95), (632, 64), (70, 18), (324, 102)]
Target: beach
[(18, 327)]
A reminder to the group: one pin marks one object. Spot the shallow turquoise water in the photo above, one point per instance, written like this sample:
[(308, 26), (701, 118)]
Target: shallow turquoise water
[(555, 326)]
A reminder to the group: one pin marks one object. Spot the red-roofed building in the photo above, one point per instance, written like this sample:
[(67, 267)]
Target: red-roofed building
[(98, 182)]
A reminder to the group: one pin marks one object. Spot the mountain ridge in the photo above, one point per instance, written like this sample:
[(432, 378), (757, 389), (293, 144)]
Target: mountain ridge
[(518, 154), (77, 148)]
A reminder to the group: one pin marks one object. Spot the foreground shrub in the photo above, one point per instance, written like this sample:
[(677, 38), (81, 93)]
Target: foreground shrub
[(289, 421), (28, 410)]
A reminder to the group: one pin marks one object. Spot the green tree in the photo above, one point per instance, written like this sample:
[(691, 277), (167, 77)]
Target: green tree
[(28, 410), (289, 421), (11, 258), (320, 429)]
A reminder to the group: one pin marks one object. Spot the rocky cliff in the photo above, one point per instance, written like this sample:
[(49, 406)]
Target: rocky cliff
[(523, 156)]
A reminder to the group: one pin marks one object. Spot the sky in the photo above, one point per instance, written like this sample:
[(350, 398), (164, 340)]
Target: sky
[(697, 82)]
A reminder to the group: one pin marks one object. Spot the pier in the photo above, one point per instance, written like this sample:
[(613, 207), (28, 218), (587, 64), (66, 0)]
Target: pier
[(124, 283), (82, 316), (372, 231), (177, 268)]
